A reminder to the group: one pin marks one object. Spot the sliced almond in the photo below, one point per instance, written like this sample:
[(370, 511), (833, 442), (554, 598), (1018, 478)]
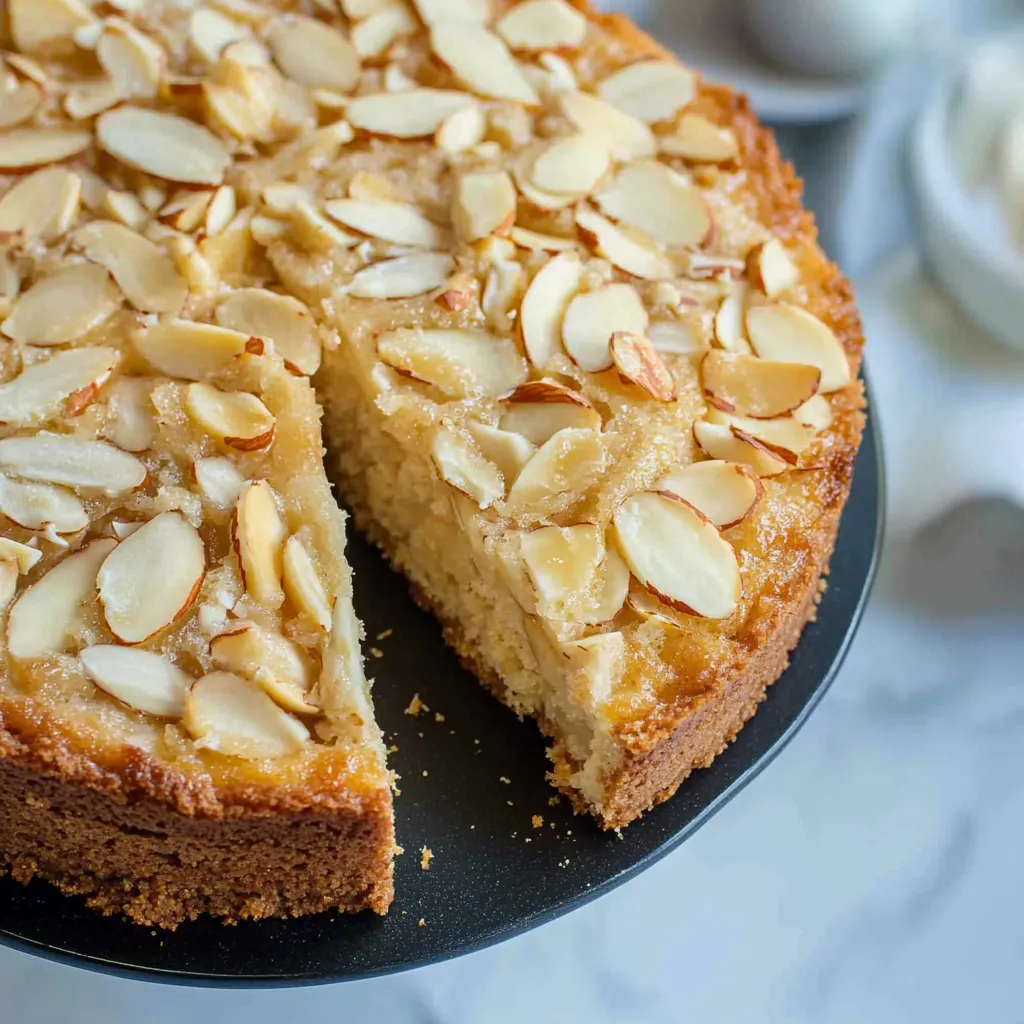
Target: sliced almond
[(522, 172), (143, 271), (126, 208), (163, 145), (18, 105), (42, 205), (458, 462), (63, 307), (612, 584), (401, 223), (218, 480), (502, 290), (772, 269), (87, 99), (21, 556), (186, 210), (700, 140), (639, 363), (461, 362), (704, 265), (143, 680), (593, 317), (730, 444), (237, 418), (652, 198), (543, 25), (480, 60), (509, 451), (222, 209), (303, 585), (816, 413), (570, 461), (151, 578), (314, 54), (562, 563), (572, 165), (627, 137), (643, 603), (461, 130), (43, 619), (434, 11), (412, 114), (314, 231), (122, 530), (650, 90), (184, 348), (674, 337), (540, 408), (210, 31), (230, 715), (274, 663), (785, 436), (284, 320), (25, 148), (132, 61), (39, 392), (524, 238), (730, 320), (402, 277), (130, 422), (756, 387), (39, 506), (789, 334), (485, 203), (628, 249), (47, 26), (82, 465), (678, 555), (544, 305), (259, 536), (374, 36), (725, 492)]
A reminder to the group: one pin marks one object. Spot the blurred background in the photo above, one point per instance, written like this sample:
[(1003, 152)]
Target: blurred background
[(872, 873)]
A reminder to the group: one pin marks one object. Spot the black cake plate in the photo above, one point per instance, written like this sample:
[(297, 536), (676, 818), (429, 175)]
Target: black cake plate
[(470, 786)]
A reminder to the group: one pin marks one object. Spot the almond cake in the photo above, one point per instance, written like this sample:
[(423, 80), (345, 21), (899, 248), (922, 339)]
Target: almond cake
[(587, 380)]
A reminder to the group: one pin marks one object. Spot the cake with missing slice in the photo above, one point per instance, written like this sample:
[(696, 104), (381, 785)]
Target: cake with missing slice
[(588, 381)]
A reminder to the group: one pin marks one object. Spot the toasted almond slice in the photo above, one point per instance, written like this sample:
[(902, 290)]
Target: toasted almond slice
[(816, 413), (151, 578), (651, 90), (186, 210), (461, 130), (218, 480), (698, 139), (434, 11), (143, 680), (130, 423), (674, 337), (302, 583), (509, 451), (63, 307), (543, 25), (38, 506), (376, 34), (480, 60), (43, 618), (237, 418), (540, 408), (225, 713), (570, 461), (284, 320), (274, 663), (87, 99), (593, 317), (761, 388), (143, 271), (730, 444), (42, 205), (81, 465), (461, 362), (572, 165), (21, 556), (725, 492), (412, 114), (18, 105), (122, 530), (544, 305), (259, 537), (651, 197), (47, 26), (562, 563), (527, 239), (522, 172), (730, 320), (402, 277), (209, 32), (183, 348), (613, 586), (359, 9), (25, 148), (772, 269), (629, 250), (313, 230), (38, 392), (401, 223), (678, 555), (132, 61), (639, 363), (458, 462), (485, 203), (783, 435), (221, 211), (789, 334), (626, 137), (314, 54), (647, 606), (163, 145)]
